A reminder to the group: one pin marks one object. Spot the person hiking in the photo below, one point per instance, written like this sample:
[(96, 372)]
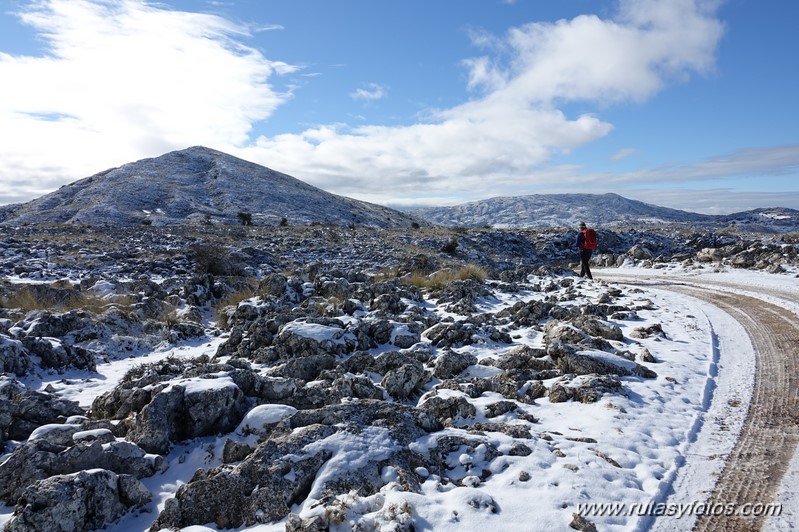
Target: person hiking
[(586, 243)]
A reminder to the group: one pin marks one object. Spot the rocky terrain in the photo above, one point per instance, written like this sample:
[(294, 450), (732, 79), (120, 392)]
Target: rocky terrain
[(330, 343)]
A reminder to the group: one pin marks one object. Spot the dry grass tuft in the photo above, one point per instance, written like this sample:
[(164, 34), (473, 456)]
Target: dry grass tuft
[(220, 309), (441, 279), (58, 296)]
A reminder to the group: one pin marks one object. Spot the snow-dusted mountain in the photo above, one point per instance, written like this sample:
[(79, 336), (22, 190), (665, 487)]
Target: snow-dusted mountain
[(601, 210), (200, 185), (197, 185)]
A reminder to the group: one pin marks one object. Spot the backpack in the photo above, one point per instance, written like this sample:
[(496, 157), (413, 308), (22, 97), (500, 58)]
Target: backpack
[(589, 241)]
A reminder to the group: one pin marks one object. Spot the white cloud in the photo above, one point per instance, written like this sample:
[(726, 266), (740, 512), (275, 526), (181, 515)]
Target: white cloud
[(714, 200), (269, 27), (126, 79), (503, 139), (649, 44), (372, 92), (754, 162), (623, 153)]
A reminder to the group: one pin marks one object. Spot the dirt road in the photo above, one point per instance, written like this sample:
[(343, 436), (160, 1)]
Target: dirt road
[(770, 434)]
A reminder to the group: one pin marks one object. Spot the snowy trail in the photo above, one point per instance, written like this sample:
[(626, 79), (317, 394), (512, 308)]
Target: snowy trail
[(764, 453)]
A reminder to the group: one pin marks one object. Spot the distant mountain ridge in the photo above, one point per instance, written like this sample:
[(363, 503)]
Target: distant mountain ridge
[(197, 185), (200, 185), (601, 210)]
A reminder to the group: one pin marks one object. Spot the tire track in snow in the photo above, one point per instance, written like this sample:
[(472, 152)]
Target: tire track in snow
[(769, 437)]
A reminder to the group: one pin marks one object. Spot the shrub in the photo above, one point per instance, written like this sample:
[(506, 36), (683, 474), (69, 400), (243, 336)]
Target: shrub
[(171, 365), (451, 247), (244, 217), (213, 259)]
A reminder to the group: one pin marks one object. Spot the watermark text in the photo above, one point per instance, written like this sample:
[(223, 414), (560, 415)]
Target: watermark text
[(658, 509)]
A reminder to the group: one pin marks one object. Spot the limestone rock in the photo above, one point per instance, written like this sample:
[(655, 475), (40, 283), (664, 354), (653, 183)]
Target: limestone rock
[(86, 500)]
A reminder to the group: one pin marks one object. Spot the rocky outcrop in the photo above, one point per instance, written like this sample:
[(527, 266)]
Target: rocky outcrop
[(450, 364), (87, 500), (585, 389), (70, 448), (14, 358), (22, 410), (284, 469), (197, 407)]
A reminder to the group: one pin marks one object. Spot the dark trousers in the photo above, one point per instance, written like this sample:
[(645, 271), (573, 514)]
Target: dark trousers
[(585, 258)]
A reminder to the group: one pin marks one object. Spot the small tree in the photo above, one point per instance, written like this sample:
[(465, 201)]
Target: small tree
[(451, 247), (245, 218), (284, 222)]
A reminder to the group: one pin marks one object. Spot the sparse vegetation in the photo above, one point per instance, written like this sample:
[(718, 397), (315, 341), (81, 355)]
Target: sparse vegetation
[(55, 296), (169, 317), (451, 246), (244, 217), (442, 278), (220, 309), (214, 259), (166, 366)]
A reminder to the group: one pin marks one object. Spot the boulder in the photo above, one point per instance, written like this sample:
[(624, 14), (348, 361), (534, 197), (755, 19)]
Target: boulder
[(448, 409), (402, 382), (304, 338), (196, 407), (55, 452), (57, 355), (452, 334), (14, 358), (601, 363), (601, 328), (639, 252), (78, 325), (450, 363), (524, 357), (22, 410), (87, 500), (646, 332), (527, 314), (586, 388)]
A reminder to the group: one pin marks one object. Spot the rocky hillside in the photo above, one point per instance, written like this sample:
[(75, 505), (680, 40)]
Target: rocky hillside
[(197, 186), (601, 210)]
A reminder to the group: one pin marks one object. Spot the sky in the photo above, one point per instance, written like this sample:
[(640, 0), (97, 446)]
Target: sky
[(689, 104)]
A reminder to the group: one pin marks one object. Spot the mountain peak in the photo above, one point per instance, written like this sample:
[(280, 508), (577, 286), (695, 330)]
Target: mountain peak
[(196, 185)]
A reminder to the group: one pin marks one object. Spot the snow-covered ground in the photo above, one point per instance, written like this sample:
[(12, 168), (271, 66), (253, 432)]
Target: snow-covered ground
[(780, 289), (657, 448)]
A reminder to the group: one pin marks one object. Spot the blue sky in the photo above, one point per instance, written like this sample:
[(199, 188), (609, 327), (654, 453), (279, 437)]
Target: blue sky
[(683, 103)]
